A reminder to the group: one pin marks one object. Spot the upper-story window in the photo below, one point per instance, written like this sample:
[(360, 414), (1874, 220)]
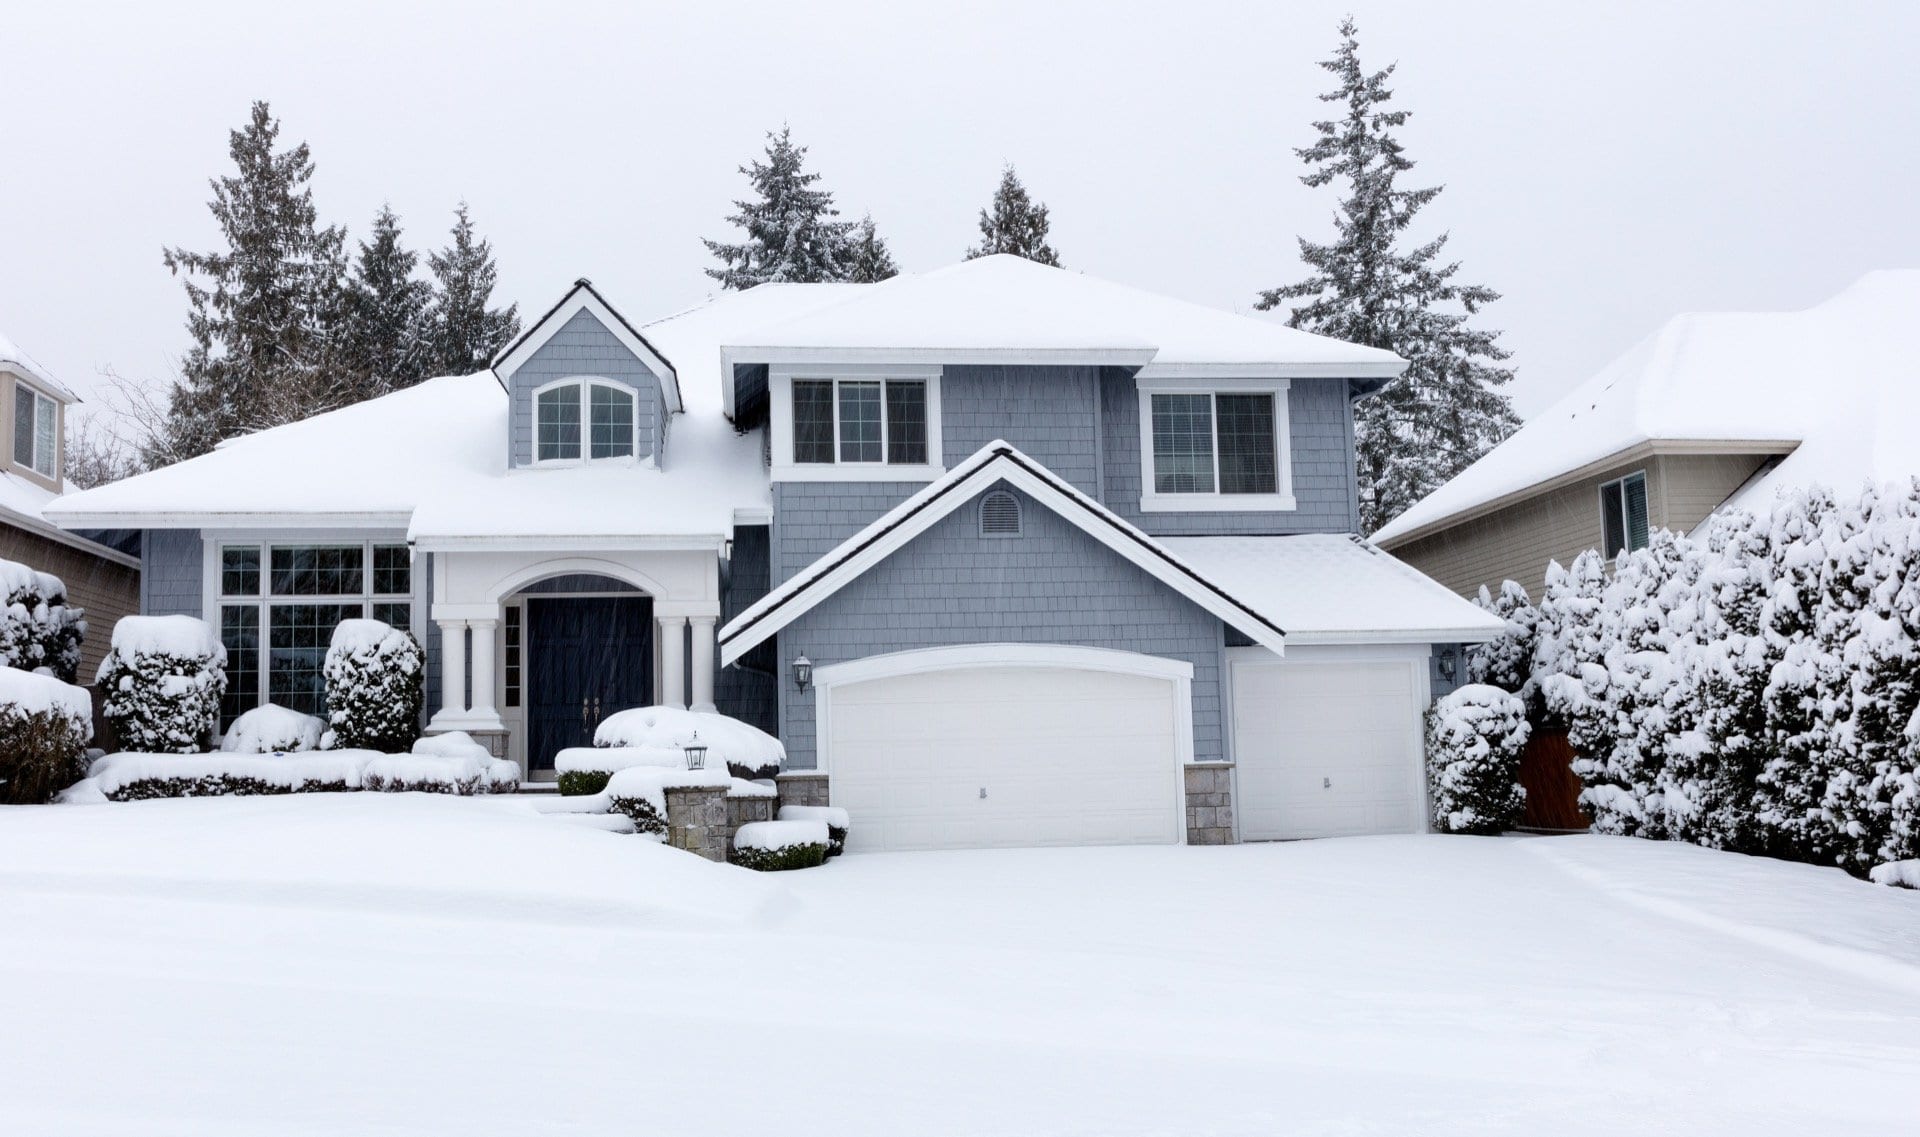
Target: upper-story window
[(860, 422), (1215, 449), (575, 415), (36, 431), (1623, 513)]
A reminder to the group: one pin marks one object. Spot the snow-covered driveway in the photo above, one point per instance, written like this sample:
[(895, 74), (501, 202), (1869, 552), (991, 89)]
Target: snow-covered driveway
[(403, 964)]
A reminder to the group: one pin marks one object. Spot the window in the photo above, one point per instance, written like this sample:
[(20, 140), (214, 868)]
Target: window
[(279, 604), (1215, 449), (36, 431), (599, 416), (860, 422), (510, 631), (1000, 515), (1623, 514)]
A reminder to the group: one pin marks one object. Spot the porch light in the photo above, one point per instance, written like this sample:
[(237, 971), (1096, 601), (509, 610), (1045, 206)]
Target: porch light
[(696, 752), (1449, 664), (803, 673)]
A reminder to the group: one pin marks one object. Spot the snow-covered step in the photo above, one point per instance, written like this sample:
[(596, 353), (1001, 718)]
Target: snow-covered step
[(611, 822), (571, 803)]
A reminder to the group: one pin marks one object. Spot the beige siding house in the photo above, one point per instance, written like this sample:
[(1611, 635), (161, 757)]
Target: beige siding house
[(1714, 411)]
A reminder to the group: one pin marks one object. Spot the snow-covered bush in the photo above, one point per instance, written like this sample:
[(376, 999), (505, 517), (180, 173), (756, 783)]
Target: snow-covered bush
[(776, 846), (585, 769), (1474, 736), (834, 816), (373, 672), (45, 725), (140, 777), (1897, 874), (272, 729), (746, 751), (38, 628), (161, 683), (1507, 662), (640, 792)]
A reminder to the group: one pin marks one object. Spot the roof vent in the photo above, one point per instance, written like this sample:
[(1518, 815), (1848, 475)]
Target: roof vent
[(1000, 515)]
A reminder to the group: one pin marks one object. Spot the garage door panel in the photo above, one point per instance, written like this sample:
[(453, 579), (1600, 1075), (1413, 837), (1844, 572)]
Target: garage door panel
[(1065, 756)]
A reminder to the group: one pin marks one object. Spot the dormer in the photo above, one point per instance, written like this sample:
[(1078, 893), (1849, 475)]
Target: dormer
[(33, 418), (585, 388)]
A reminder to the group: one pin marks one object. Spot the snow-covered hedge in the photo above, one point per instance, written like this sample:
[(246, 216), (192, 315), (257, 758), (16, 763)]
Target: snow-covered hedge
[(138, 777), (835, 818), (1751, 686), (373, 672), (747, 751), (45, 725), (775, 846), (38, 628), (270, 729), (1474, 736), (640, 792), (585, 769), (161, 683), (440, 774)]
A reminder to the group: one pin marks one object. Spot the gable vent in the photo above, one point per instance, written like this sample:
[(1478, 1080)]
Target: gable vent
[(1000, 515)]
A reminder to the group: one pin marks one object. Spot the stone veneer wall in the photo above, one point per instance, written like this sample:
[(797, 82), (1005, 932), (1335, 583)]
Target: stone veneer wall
[(803, 788), (1209, 788), (743, 811), (697, 821)]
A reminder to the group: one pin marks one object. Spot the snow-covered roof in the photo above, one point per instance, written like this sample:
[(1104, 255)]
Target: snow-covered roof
[(1837, 384), (584, 297), (13, 359), (696, 337), (1005, 308), (1333, 588)]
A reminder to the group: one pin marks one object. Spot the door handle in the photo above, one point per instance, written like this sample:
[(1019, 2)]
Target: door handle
[(1326, 783)]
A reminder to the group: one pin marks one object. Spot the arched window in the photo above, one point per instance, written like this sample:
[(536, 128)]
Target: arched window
[(1000, 515), (573, 413)]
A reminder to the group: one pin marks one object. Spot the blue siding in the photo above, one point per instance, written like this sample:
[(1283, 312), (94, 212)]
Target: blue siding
[(170, 573), (1051, 413), (583, 348), (1054, 584)]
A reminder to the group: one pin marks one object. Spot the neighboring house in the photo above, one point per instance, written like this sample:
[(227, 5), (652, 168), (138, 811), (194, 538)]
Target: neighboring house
[(1715, 410), (33, 419), (1004, 554)]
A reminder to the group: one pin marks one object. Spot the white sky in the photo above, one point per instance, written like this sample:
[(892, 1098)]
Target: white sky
[(1605, 168)]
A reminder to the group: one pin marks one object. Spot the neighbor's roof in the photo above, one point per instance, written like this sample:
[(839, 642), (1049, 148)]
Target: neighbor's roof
[(1326, 588), (1005, 308), (1837, 384), (13, 359)]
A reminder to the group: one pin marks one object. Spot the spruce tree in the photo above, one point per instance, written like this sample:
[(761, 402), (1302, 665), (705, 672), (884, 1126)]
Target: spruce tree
[(1014, 223), (790, 232), (463, 332), (386, 342), (1445, 410), (264, 311), (870, 261)]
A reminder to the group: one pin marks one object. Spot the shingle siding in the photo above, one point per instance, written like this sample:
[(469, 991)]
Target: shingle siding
[(1054, 584), (170, 573), (583, 348)]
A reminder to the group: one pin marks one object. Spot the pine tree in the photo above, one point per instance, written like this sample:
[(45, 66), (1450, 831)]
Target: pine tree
[(386, 344), (264, 321), (1445, 410), (791, 234), (1014, 223), (464, 333), (871, 261)]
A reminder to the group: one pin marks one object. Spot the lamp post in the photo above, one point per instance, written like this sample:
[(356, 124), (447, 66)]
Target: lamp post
[(695, 752)]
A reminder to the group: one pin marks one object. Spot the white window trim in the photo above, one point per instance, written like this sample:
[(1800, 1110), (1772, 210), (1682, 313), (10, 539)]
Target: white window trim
[(211, 598), (586, 383), (1281, 501), (1626, 529), (32, 466), (780, 416)]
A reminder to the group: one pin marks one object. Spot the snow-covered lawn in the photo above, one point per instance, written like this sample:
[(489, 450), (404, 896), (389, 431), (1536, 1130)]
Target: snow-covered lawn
[(400, 963)]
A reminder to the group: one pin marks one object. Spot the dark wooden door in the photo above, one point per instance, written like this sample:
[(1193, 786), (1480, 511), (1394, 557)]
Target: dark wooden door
[(587, 657)]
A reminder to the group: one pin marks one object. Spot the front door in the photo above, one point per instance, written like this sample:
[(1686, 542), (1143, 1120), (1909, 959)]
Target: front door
[(587, 657)]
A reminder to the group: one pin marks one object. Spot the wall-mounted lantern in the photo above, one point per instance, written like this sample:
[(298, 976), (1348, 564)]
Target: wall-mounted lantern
[(1449, 664), (696, 752), (803, 673)]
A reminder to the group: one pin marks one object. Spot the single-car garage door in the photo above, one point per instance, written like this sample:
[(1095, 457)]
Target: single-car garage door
[(981, 756), (1328, 748)]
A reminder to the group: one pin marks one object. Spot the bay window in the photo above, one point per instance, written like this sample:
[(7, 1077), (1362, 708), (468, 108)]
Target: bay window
[(1207, 449)]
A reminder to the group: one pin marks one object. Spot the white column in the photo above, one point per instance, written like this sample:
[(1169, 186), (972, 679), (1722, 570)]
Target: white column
[(702, 662), (673, 661), (483, 708), (453, 671)]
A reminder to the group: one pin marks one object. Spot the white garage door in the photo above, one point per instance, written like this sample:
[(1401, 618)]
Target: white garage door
[(1328, 749), (986, 756)]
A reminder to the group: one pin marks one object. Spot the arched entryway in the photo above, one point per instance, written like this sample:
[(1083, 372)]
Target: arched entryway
[(575, 648)]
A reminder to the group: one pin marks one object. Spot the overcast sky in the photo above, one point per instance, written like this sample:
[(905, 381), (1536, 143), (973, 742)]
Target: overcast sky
[(1605, 167)]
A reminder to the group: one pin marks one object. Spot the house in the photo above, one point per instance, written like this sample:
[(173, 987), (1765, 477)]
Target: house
[(1004, 554), (1714, 411), (99, 577)]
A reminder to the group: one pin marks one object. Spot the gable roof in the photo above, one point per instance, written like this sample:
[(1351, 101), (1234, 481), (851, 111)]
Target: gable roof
[(995, 462), (20, 363), (583, 296), (1835, 386)]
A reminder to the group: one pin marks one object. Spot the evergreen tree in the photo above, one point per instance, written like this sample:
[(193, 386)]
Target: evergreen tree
[(386, 343), (790, 232), (463, 333), (1444, 411), (264, 311), (871, 261), (1015, 223)]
